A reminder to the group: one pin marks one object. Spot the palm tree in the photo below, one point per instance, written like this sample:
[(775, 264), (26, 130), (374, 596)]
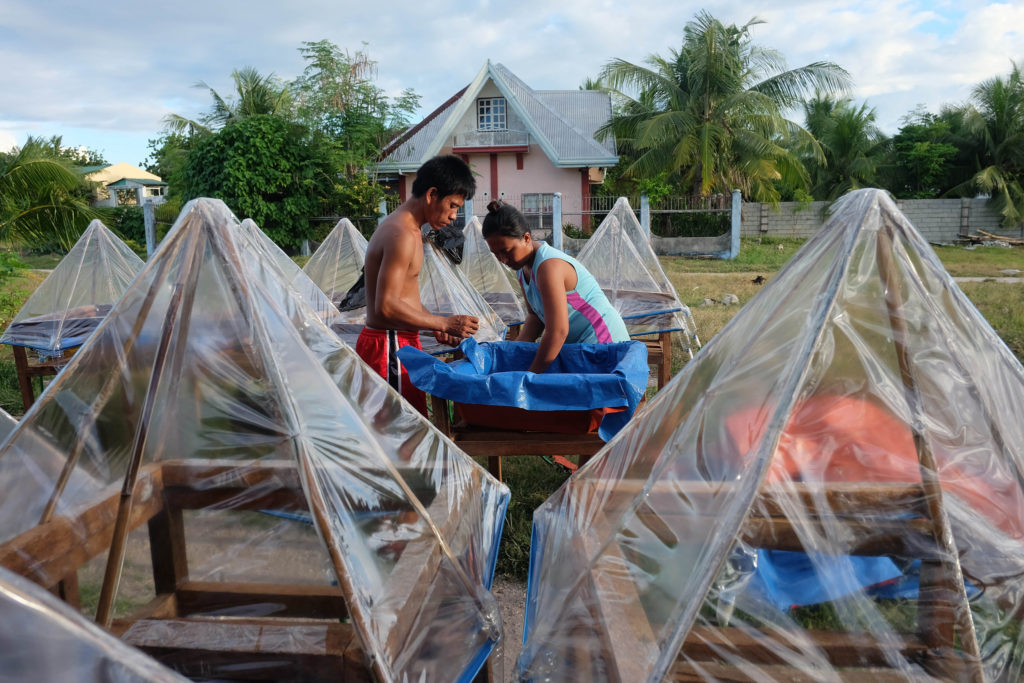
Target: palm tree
[(256, 94), (710, 114), (997, 123), (42, 199), (854, 148)]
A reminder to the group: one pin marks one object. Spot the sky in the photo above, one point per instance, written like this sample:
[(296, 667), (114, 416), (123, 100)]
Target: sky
[(105, 76)]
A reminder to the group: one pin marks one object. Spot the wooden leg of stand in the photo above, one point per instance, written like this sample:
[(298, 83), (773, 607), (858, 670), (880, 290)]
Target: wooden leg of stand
[(24, 381), (665, 369), (441, 418), (67, 590), (494, 466)]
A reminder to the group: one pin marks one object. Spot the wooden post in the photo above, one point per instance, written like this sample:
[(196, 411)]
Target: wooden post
[(24, 381), (167, 549), (952, 583), (665, 369), (115, 559)]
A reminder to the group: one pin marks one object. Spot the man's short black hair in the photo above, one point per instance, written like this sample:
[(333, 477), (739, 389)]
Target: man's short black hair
[(449, 174)]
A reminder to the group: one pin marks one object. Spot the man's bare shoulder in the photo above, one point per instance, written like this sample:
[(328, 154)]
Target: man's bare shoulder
[(397, 228)]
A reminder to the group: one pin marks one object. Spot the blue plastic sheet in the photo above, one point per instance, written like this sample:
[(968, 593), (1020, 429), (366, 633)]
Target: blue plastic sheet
[(582, 377), (791, 579)]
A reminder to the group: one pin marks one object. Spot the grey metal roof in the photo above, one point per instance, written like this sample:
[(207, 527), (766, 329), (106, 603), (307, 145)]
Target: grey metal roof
[(413, 151), (571, 144), (587, 109), (562, 122)]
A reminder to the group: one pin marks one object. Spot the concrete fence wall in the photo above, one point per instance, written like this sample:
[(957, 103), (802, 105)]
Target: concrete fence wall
[(938, 220)]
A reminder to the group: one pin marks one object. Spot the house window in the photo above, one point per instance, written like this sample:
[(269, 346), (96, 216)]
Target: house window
[(490, 113), (538, 210)]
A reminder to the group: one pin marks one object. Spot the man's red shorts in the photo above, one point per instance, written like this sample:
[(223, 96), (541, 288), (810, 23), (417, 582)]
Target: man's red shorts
[(379, 349)]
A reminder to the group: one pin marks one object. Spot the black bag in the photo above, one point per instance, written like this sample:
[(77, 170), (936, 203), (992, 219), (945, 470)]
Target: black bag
[(355, 297), (449, 240)]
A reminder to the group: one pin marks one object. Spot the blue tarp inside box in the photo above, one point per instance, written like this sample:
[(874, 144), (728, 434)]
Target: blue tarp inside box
[(583, 377)]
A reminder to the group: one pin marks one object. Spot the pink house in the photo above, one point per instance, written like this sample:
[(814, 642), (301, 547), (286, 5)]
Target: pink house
[(524, 145)]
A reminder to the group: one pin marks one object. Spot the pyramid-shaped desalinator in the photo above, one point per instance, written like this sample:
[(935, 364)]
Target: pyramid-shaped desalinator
[(495, 281), (444, 291), (294, 276), (208, 405), (621, 258), (70, 303), (44, 639), (338, 261), (852, 441)]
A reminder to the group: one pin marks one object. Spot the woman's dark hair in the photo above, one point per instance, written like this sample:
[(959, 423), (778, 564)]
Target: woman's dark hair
[(448, 173), (504, 220)]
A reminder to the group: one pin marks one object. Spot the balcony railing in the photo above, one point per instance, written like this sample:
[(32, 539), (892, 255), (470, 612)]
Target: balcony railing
[(491, 138)]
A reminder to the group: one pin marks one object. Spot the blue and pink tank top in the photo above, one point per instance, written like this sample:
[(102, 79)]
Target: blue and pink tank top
[(592, 318)]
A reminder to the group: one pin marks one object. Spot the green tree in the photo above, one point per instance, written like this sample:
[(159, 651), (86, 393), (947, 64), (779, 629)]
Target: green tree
[(336, 97), (924, 157), (710, 114), (264, 168), (995, 118), (43, 199), (255, 94), (75, 156), (854, 148), (167, 158)]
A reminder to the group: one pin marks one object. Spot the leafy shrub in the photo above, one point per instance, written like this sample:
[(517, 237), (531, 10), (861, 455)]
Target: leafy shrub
[(697, 224), (264, 168), (128, 222), (10, 264), (574, 231)]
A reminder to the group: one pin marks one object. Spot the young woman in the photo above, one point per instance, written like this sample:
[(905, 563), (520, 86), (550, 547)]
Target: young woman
[(563, 299)]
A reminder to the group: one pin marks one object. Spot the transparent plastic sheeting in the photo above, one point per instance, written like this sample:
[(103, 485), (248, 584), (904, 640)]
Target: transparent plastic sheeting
[(279, 477), (294, 277), (495, 281), (44, 639), (7, 424), (857, 411), (336, 264), (621, 258), (70, 303), (444, 291)]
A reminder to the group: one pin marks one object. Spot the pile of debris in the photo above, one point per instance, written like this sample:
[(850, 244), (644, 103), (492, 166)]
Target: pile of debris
[(987, 239)]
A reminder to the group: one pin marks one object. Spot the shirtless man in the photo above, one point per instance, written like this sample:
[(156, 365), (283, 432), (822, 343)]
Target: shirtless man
[(394, 257)]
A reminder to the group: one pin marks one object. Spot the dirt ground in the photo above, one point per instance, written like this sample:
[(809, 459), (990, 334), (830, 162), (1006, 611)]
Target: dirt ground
[(511, 597)]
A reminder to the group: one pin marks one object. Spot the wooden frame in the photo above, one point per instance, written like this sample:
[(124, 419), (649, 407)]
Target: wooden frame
[(313, 643), (308, 637), (495, 444), (27, 371), (659, 354), (628, 636)]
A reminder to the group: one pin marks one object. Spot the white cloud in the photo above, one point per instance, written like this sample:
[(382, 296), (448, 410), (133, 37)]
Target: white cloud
[(121, 72), (7, 141)]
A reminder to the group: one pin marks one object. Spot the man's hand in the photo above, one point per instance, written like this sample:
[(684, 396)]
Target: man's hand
[(444, 338), (461, 326)]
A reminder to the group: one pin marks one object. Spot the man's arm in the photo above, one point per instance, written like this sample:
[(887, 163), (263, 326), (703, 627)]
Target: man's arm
[(398, 312)]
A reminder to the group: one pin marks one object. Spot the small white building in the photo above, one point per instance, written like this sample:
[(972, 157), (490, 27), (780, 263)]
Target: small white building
[(522, 144), (122, 184)]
